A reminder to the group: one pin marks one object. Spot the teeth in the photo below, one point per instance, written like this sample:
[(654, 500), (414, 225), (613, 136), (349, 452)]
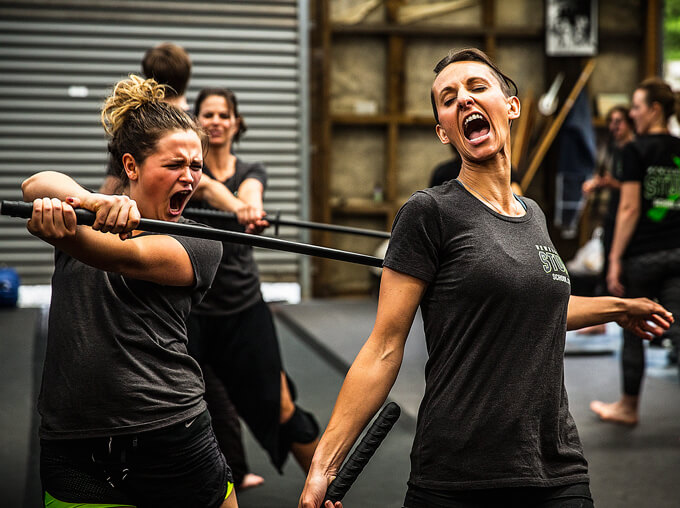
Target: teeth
[(473, 116)]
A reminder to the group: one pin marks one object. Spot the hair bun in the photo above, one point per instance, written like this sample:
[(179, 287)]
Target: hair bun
[(128, 96)]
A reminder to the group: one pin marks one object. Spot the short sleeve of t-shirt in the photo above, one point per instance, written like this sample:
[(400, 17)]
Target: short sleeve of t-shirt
[(205, 257), (416, 238), (632, 169), (256, 170)]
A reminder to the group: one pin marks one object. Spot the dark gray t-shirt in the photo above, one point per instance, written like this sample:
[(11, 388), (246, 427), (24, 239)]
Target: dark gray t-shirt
[(117, 359), (495, 411), (237, 283)]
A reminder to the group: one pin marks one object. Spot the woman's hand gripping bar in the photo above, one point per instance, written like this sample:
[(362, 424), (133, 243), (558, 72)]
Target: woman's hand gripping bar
[(363, 452)]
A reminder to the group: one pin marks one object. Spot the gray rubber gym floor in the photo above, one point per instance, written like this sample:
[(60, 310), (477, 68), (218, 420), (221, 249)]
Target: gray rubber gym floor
[(637, 467)]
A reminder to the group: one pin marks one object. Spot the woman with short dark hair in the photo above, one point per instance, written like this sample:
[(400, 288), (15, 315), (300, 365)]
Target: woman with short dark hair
[(494, 427)]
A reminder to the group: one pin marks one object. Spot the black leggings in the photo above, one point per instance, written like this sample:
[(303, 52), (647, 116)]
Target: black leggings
[(655, 275), (568, 496)]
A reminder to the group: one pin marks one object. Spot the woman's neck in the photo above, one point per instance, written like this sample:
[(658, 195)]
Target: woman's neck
[(490, 181), (221, 161), (658, 129)]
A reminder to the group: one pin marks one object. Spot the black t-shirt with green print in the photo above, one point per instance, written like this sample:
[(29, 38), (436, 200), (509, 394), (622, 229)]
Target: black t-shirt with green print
[(654, 161), (495, 410)]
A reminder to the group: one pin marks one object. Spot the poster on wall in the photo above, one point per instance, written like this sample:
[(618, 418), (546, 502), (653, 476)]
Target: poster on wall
[(571, 27)]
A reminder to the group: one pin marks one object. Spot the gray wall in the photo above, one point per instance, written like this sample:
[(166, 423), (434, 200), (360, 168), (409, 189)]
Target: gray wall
[(48, 47)]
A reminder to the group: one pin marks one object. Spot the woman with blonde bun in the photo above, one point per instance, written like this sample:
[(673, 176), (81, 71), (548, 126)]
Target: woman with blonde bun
[(123, 420)]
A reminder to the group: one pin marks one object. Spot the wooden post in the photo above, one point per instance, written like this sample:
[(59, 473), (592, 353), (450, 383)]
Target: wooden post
[(652, 38), (320, 70)]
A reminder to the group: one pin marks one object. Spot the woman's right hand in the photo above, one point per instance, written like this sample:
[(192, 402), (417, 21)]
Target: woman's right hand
[(115, 214), (590, 185), (52, 219), (315, 490)]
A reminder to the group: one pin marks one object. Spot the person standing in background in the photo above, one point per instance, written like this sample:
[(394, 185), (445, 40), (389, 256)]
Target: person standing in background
[(168, 64), (645, 255)]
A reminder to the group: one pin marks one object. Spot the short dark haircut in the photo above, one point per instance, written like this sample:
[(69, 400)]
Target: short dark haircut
[(508, 86), (230, 97), (168, 64)]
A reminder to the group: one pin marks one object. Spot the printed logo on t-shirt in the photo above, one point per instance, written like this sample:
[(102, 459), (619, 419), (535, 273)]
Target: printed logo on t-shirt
[(661, 186), (552, 263)]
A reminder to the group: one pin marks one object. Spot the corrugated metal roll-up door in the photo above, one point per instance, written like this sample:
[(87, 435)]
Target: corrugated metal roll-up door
[(59, 59)]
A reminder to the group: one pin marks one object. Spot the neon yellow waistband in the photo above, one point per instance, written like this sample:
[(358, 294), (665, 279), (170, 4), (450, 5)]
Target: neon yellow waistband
[(51, 502)]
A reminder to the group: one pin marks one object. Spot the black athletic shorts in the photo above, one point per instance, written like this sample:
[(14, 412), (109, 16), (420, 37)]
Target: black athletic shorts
[(177, 466), (569, 496)]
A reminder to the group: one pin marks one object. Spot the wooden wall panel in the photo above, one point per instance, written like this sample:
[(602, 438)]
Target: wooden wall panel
[(421, 56), (358, 75)]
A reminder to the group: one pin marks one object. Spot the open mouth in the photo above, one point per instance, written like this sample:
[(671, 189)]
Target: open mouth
[(178, 200), (475, 126)]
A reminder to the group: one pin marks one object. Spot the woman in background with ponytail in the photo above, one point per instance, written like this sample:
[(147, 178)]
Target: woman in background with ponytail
[(124, 423), (645, 255)]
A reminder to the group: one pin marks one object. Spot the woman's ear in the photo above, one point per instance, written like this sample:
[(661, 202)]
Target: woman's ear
[(130, 167), (441, 134), (513, 107)]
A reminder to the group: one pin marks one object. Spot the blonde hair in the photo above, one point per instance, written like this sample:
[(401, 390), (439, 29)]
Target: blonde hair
[(136, 117)]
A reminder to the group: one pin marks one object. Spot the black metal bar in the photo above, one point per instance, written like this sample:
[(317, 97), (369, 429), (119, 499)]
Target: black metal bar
[(197, 213), (85, 217)]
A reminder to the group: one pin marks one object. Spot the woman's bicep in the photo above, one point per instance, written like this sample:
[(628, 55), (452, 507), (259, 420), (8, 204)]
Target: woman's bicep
[(161, 259), (400, 295)]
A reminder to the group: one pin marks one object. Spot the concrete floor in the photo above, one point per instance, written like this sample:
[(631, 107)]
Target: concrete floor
[(637, 467), (629, 467)]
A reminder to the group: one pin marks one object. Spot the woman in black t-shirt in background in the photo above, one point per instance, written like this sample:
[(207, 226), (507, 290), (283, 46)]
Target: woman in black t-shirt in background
[(645, 253), (232, 332), (494, 427)]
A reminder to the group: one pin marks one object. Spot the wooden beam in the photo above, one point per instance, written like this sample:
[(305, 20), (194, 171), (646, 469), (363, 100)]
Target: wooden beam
[(320, 69), (652, 39), (522, 130), (554, 128)]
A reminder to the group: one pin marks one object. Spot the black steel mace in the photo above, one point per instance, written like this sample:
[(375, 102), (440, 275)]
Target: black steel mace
[(87, 218)]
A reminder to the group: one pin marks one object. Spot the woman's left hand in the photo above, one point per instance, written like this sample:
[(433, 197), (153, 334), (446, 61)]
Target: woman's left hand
[(645, 318)]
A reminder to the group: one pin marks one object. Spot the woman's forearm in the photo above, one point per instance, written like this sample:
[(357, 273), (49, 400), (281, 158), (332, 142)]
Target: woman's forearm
[(53, 185), (366, 386), (589, 311), (217, 195), (250, 192), (627, 216), (626, 220)]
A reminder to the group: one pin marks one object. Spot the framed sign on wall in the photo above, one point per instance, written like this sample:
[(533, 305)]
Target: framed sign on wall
[(571, 27)]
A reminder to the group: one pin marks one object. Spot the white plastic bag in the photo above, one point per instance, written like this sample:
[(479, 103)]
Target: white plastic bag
[(589, 259)]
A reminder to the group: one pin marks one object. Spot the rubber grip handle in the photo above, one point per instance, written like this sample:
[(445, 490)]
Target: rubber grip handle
[(25, 211), (363, 452)]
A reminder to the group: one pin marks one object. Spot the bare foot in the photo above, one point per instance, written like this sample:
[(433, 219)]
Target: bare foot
[(250, 481), (593, 330), (615, 412)]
